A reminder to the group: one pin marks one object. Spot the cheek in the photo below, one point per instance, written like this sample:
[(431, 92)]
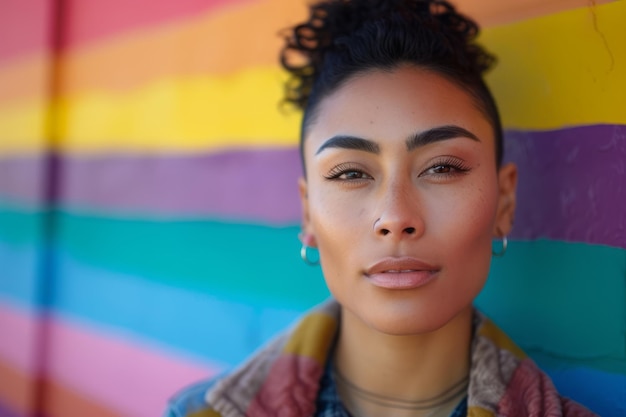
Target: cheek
[(466, 214), (339, 223)]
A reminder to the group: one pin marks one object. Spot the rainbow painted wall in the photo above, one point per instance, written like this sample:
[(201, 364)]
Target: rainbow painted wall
[(149, 212)]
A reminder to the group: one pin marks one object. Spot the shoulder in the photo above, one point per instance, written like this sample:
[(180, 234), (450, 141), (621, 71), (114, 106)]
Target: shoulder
[(191, 402), (505, 381)]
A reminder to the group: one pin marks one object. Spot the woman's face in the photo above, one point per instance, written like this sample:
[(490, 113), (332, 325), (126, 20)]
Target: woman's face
[(403, 198)]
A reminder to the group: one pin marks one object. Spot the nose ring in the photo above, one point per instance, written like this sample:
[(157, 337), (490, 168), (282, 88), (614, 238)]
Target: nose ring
[(375, 222)]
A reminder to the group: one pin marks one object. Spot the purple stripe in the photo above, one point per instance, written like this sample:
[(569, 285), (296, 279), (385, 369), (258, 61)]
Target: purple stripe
[(572, 184), (21, 179), (7, 412), (245, 184)]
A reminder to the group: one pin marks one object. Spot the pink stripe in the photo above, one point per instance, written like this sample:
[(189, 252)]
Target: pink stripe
[(26, 27), (19, 339), (115, 370), (89, 20)]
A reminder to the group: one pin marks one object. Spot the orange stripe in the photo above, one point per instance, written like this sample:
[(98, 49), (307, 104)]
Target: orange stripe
[(61, 401), (497, 12), (25, 78), (17, 390)]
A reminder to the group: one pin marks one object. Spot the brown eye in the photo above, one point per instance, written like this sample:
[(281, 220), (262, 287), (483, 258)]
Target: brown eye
[(442, 169), (347, 173), (353, 175)]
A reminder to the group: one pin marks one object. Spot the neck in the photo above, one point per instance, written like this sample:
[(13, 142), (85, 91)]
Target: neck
[(408, 367)]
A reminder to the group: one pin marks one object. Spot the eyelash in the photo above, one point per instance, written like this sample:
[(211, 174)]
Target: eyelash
[(342, 169), (455, 165)]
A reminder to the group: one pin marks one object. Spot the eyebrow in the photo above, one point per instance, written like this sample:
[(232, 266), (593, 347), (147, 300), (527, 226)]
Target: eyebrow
[(350, 142), (436, 134)]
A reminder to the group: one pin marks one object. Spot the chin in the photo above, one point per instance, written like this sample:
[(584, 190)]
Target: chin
[(399, 319)]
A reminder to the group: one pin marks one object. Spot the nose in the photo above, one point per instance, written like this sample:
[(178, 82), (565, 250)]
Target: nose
[(400, 216)]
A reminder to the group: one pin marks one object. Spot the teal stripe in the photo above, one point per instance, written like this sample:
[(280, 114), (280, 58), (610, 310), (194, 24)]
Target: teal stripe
[(201, 255), (565, 299), (20, 225)]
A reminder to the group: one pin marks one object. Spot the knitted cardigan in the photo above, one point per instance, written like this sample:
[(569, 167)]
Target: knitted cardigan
[(282, 379)]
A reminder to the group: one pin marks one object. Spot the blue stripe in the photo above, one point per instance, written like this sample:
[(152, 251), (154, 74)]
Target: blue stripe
[(223, 330), (19, 275), (602, 392)]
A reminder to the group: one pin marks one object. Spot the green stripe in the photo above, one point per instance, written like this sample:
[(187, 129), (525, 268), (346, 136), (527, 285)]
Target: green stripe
[(245, 262), (567, 298), (20, 225)]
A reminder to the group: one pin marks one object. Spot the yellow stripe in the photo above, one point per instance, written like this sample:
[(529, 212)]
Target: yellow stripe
[(171, 115), (23, 127), (561, 70)]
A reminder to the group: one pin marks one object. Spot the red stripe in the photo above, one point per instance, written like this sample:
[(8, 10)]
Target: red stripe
[(88, 20), (25, 27)]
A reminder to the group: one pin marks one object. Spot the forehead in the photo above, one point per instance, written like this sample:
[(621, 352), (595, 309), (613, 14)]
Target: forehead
[(389, 105)]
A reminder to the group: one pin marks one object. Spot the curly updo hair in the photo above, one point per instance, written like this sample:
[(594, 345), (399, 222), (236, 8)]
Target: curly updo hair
[(344, 38)]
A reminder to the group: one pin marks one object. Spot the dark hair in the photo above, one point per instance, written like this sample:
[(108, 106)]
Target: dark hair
[(344, 38)]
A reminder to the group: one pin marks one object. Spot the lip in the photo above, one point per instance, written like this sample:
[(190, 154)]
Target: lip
[(401, 273)]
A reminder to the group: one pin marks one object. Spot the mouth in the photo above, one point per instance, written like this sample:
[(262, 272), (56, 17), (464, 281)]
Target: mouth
[(401, 273)]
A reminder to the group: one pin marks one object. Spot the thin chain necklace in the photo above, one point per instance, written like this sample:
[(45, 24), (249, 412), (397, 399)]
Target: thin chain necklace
[(433, 403)]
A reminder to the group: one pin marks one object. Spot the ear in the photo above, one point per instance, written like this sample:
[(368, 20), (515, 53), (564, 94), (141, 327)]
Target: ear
[(307, 237), (507, 185)]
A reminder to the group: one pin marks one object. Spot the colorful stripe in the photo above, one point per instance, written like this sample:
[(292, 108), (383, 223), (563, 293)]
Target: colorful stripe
[(21, 348), (26, 81), (561, 70), (26, 27), (96, 20), (197, 113), (242, 184), (116, 364), (571, 184), (17, 390), (564, 282), (115, 361)]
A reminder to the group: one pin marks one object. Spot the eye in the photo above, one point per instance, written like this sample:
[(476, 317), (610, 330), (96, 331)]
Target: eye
[(347, 172), (442, 169), (449, 166)]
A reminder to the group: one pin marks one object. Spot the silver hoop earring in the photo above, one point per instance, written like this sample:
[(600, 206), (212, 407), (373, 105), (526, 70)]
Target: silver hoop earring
[(304, 254), (505, 243)]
